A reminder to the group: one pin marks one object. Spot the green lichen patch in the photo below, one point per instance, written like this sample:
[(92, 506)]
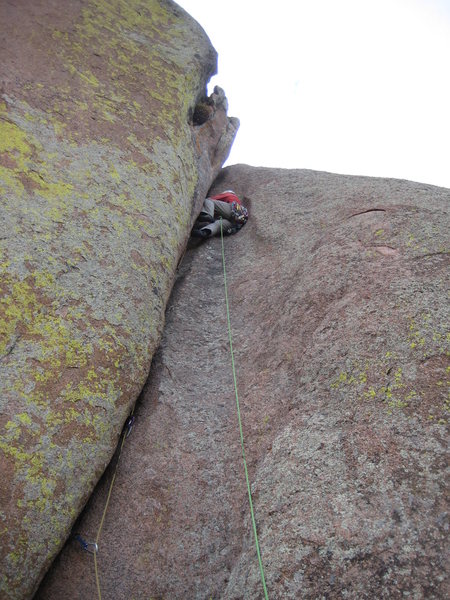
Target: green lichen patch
[(412, 378), (123, 61), (97, 177)]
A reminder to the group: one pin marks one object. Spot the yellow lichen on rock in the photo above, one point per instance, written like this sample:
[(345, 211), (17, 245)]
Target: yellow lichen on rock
[(99, 174)]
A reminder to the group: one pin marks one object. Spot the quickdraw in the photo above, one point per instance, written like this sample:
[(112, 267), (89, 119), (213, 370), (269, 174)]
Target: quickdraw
[(90, 547)]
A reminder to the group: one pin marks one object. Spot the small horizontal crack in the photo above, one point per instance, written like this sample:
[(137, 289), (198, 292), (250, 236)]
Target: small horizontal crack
[(444, 253), (363, 212)]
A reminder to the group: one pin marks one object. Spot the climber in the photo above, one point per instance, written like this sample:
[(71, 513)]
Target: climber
[(225, 207)]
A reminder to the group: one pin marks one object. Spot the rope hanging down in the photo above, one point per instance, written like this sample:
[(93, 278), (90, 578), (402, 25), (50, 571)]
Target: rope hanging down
[(128, 426), (92, 547), (261, 568)]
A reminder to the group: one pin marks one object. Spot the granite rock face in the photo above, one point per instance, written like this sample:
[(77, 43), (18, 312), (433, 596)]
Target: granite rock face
[(102, 173), (337, 288)]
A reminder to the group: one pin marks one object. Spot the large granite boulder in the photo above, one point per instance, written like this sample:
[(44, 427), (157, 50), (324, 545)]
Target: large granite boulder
[(337, 289), (102, 172)]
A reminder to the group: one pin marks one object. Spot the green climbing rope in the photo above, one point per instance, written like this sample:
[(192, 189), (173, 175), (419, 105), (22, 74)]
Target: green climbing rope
[(261, 568)]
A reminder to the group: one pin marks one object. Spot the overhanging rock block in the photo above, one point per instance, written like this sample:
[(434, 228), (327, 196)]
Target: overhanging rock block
[(101, 175)]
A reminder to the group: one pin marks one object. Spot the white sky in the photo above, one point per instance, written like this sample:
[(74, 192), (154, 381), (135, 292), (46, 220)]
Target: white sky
[(349, 86)]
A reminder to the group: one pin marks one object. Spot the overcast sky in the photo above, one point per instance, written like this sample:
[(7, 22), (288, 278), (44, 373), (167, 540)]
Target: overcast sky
[(348, 86)]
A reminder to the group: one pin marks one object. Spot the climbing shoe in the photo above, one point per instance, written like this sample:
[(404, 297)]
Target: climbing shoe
[(206, 218), (199, 233)]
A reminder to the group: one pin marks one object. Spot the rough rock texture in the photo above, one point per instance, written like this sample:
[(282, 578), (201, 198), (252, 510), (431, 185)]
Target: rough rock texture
[(102, 173), (337, 287)]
